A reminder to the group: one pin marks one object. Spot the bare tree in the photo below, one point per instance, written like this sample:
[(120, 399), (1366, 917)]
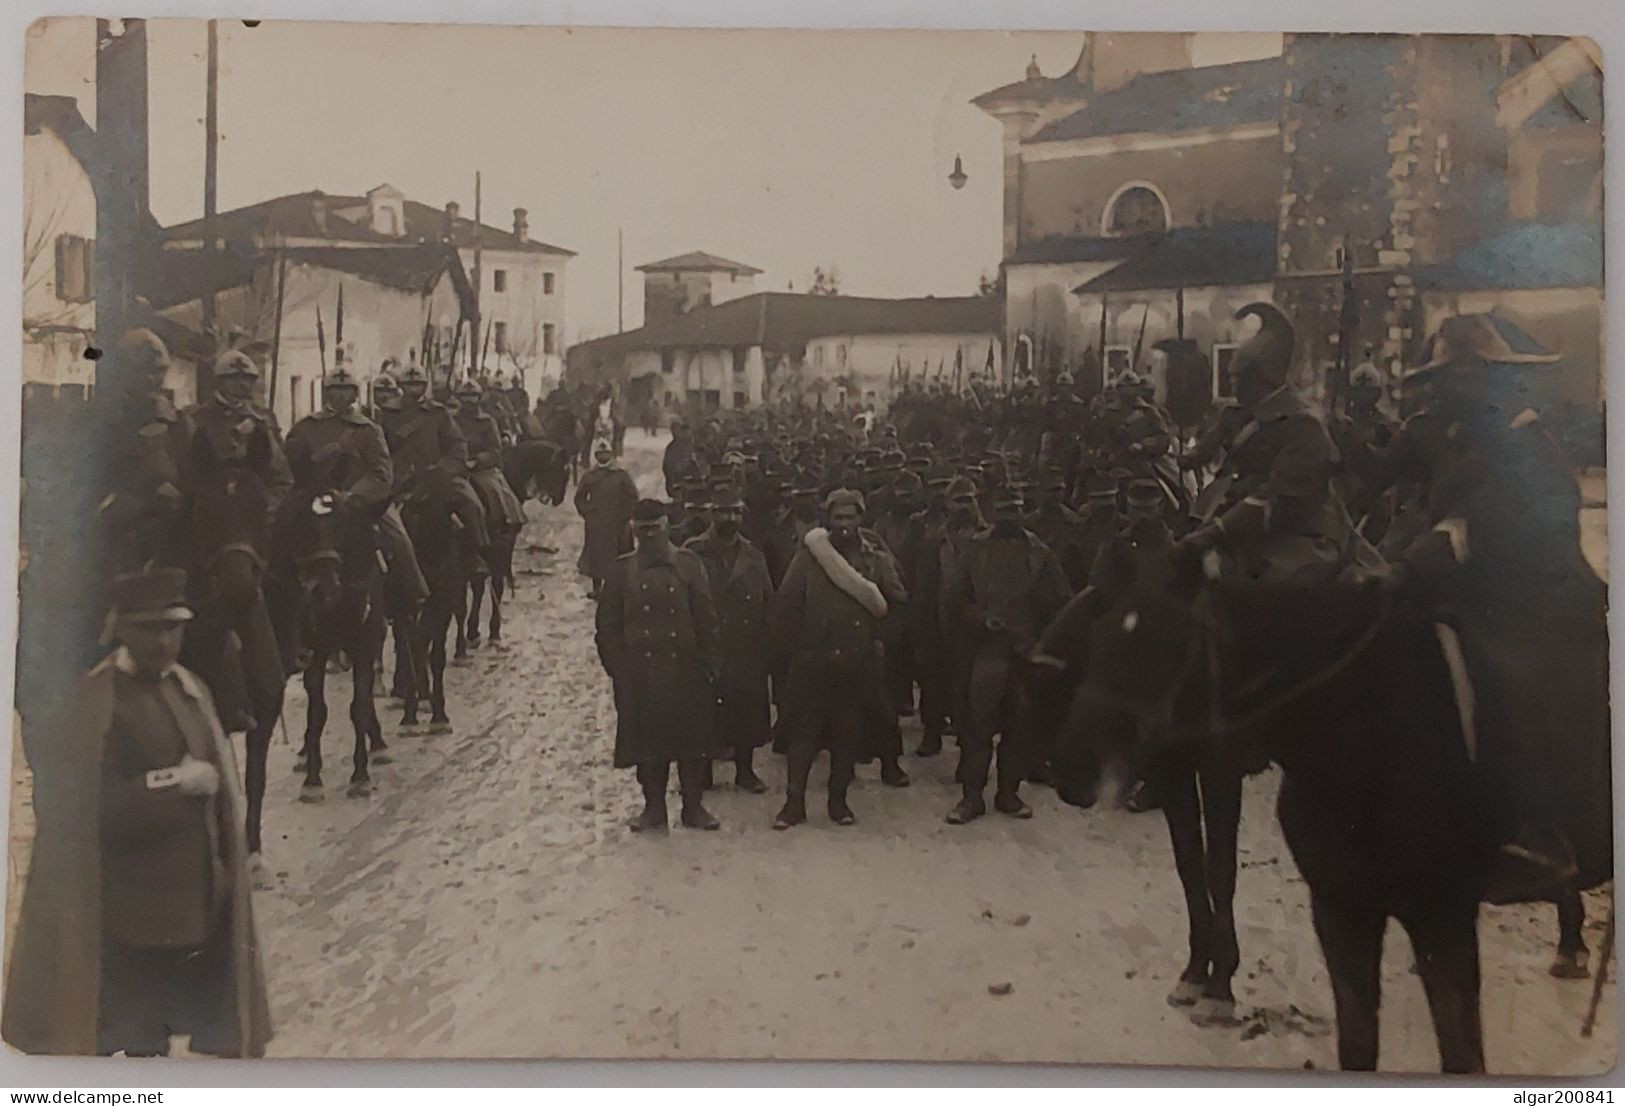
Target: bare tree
[(43, 217)]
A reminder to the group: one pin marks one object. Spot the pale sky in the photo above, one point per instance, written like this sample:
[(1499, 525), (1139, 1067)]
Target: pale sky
[(781, 149)]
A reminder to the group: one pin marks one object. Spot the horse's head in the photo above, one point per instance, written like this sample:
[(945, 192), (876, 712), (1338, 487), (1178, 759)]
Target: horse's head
[(1146, 670), (552, 472), (228, 531), (315, 542)]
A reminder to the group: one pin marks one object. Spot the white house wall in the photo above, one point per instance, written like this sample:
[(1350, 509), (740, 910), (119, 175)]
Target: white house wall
[(57, 199), (1209, 319), (870, 359), (1039, 301)]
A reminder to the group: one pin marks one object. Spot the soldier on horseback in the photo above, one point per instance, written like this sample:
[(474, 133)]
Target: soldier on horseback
[(341, 452), (484, 434), (230, 431), (422, 434), (1503, 563), (1272, 510), (147, 494)]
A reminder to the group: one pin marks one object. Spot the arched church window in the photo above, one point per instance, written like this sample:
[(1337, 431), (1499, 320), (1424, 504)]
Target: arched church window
[(1137, 209)]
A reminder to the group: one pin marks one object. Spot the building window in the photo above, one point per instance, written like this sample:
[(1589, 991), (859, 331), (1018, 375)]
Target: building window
[(549, 338), (296, 398), (392, 222), (547, 284), (499, 280), (500, 337), (75, 268), (668, 360), (740, 355), (740, 400), (1118, 361), (840, 357), (1136, 209), (1223, 353), (818, 357)]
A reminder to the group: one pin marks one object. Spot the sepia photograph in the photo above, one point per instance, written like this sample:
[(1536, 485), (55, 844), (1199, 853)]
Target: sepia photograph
[(1072, 546)]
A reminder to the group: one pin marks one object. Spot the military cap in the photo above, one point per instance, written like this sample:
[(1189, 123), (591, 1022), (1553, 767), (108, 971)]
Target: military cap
[(383, 382), (648, 510), (1144, 492), (908, 483), (844, 497), (918, 459), (697, 495), (602, 446), (727, 500), (153, 595), (234, 362), (141, 350), (1366, 375), (1100, 485), (1052, 479), (939, 476), (960, 487), (1063, 377), (468, 386), (807, 484), (339, 378), (1007, 496)]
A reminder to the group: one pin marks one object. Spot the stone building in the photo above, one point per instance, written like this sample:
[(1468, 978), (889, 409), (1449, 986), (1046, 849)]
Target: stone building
[(788, 347), (1366, 183), (521, 294), (697, 279)]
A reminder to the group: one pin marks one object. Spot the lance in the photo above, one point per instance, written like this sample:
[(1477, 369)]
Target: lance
[(1139, 339), (321, 343), (1103, 331), (338, 330), (456, 347), (1179, 309), (485, 348)]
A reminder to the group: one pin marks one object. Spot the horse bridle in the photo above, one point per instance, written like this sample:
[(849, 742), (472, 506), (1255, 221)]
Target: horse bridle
[(1203, 644)]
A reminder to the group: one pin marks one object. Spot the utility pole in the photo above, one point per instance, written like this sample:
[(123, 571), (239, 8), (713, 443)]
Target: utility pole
[(620, 282), (211, 161), (474, 331)]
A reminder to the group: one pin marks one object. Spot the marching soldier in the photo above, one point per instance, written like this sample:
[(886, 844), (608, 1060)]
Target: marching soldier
[(1059, 527), (422, 434), (605, 496), (1007, 587), (340, 451), (742, 592), (657, 639), (827, 621)]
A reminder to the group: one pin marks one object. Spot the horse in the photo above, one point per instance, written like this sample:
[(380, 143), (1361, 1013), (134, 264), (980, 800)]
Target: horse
[(1384, 804), (562, 427), (536, 467), (335, 550), (434, 530), (232, 642)]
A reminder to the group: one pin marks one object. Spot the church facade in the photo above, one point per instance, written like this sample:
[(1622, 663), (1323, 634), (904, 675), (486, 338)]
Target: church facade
[(1368, 184)]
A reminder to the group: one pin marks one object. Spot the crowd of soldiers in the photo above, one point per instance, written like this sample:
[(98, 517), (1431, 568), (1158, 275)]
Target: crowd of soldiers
[(812, 577)]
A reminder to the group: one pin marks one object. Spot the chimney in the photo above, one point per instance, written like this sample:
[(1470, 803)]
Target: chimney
[(451, 220), (521, 224)]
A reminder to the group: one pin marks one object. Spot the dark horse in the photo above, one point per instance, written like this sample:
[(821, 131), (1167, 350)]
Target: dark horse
[(530, 467), (1385, 804), (434, 530), (232, 643), (335, 550)]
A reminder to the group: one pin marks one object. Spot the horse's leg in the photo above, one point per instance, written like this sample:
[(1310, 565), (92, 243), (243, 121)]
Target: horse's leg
[(361, 719), (1221, 815), (438, 718), (401, 631), (416, 668), (1351, 942), (461, 652), (315, 720), (259, 752), (475, 602), (1182, 808), (1573, 958), (1446, 946), (498, 586)]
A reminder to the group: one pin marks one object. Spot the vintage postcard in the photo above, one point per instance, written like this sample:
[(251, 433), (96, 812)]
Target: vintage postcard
[(1071, 546)]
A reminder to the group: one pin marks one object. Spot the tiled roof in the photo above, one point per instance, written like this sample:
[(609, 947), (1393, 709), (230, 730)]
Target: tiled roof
[(1179, 100), (1525, 255), (317, 214), (698, 261), (1058, 249), (181, 276), (1194, 257), (784, 320)]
